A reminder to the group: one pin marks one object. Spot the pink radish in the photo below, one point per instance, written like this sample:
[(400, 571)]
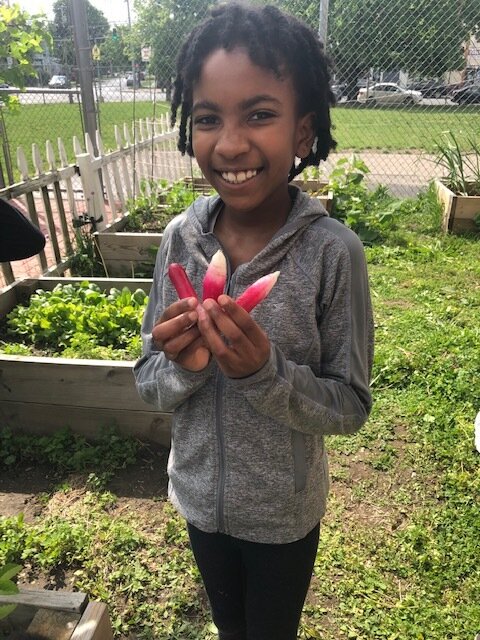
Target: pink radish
[(216, 276), (181, 281), (214, 283), (257, 292)]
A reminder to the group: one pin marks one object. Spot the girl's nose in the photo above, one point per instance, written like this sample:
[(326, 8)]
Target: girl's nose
[(231, 142)]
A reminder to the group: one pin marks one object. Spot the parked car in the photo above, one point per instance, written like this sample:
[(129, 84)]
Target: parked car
[(469, 94), (59, 82), (430, 88), (129, 78), (339, 90), (388, 93)]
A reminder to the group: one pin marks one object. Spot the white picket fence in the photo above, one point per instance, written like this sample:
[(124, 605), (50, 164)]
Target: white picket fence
[(95, 189)]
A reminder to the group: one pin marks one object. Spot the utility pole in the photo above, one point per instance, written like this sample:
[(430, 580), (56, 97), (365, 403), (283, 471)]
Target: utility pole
[(85, 71), (134, 78), (323, 22)]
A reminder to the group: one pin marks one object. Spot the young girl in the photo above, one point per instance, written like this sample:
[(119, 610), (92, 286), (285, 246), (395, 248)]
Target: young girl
[(253, 395)]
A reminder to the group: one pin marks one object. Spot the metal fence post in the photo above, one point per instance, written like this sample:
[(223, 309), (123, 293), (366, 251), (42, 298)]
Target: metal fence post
[(84, 61)]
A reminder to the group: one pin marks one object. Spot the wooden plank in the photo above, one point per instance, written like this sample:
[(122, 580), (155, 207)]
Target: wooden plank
[(94, 624), (47, 419), (67, 382), (134, 247), (53, 625), (468, 207), (9, 297), (34, 184), (73, 601), (27, 286)]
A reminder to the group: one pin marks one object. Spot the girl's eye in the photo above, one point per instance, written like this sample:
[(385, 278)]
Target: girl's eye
[(261, 115), (205, 121)]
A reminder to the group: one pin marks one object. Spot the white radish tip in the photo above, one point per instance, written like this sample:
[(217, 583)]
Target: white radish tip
[(218, 259)]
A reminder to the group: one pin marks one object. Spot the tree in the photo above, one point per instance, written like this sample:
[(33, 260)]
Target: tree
[(116, 50), (21, 35), (423, 37), (163, 24), (62, 30)]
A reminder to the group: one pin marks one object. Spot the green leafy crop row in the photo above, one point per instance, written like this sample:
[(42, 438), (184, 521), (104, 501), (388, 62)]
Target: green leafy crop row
[(79, 321)]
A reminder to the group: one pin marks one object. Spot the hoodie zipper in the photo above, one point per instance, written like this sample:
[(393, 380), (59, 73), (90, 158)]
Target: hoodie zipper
[(219, 430)]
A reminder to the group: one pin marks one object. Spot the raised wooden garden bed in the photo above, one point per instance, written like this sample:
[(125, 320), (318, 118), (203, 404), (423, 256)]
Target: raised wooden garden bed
[(57, 615), (459, 212), (124, 253), (41, 395)]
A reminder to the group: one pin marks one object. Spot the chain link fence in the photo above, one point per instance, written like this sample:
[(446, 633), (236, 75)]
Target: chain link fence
[(404, 74)]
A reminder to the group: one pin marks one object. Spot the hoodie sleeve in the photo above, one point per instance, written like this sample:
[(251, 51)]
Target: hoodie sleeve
[(160, 381), (335, 399)]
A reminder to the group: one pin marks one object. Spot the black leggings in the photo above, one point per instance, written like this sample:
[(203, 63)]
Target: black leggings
[(256, 591)]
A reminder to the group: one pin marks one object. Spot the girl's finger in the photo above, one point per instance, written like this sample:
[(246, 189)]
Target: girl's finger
[(241, 319), (173, 347), (177, 308), (212, 335), (168, 329)]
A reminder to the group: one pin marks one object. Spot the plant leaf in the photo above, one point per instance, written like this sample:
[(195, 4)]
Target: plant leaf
[(9, 570), (6, 610), (8, 588)]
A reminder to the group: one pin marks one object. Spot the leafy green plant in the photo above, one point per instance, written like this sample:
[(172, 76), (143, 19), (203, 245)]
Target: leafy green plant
[(179, 197), (369, 213), (462, 167), (67, 451), (8, 587), (86, 260), (144, 209), (81, 318), (157, 204)]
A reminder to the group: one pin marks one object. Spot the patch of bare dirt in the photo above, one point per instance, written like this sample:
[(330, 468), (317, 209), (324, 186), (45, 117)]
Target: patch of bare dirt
[(23, 488)]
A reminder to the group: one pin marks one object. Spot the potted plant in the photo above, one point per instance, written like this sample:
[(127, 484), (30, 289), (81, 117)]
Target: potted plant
[(459, 190)]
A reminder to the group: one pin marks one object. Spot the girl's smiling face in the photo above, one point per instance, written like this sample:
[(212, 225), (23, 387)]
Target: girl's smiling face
[(247, 132)]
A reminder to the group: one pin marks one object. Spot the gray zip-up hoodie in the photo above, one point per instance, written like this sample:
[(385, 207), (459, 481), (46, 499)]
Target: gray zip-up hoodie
[(247, 455)]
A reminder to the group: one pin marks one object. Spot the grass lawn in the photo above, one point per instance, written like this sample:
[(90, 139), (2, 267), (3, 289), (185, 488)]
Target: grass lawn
[(356, 128), (398, 556), (417, 128), (38, 123)]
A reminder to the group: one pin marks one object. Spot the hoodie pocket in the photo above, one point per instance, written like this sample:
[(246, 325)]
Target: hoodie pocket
[(299, 460)]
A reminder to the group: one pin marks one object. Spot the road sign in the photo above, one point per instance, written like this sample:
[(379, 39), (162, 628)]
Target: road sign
[(96, 52), (146, 54)]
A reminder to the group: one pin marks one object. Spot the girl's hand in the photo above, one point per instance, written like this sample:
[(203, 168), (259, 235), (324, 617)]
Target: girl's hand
[(238, 344), (177, 335)]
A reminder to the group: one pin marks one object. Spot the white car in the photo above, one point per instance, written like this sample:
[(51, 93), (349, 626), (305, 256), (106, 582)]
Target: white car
[(59, 82), (388, 93)]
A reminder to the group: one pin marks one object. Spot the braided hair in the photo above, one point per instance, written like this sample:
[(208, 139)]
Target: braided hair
[(275, 41)]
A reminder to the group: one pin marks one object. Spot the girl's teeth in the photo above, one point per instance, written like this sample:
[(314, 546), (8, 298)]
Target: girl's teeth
[(241, 176)]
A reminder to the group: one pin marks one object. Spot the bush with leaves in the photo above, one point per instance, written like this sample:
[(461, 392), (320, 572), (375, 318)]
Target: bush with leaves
[(21, 35), (371, 214)]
